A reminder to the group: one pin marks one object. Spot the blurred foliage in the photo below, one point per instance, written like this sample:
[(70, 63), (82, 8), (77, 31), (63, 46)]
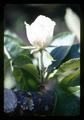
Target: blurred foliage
[(67, 88), (15, 41), (63, 42), (68, 71), (66, 75), (21, 61), (9, 79), (68, 104), (65, 67)]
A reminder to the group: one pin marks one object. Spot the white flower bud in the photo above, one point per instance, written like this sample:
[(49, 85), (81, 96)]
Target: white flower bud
[(40, 32)]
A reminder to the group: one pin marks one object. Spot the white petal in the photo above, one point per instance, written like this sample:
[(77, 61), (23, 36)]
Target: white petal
[(73, 22), (27, 26), (40, 32)]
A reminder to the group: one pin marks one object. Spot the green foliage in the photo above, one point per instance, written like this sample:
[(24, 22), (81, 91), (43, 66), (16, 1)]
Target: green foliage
[(67, 88), (68, 71), (21, 60), (25, 80), (60, 48), (9, 80), (25, 73), (12, 42), (64, 70), (68, 104)]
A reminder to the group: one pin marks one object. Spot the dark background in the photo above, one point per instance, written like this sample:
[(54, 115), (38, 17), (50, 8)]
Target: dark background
[(15, 15)]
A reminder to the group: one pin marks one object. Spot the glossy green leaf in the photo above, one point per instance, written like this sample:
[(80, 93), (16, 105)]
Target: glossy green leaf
[(25, 80), (32, 70), (26, 74), (74, 89), (68, 71)]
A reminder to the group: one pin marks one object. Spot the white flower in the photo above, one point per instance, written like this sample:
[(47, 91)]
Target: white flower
[(40, 32), (73, 22)]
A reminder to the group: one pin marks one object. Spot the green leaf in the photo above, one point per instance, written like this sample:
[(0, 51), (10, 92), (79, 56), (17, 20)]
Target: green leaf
[(68, 104), (74, 52), (12, 43), (68, 72), (6, 63), (60, 48), (17, 74), (69, 80), (25, 80), (26, 74), (32, 69), (9, 80), (67, 68), (74, 89), (24, 62), (21, 60), (67, 88)]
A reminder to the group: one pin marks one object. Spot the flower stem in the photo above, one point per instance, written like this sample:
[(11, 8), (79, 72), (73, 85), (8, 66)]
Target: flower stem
[(42, 65)]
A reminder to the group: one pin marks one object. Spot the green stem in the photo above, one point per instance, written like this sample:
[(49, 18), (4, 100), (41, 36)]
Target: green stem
[(42, 66)]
